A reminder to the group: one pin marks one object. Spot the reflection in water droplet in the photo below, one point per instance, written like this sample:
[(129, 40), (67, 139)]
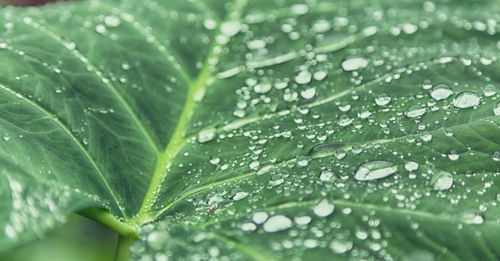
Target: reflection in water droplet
[(340, 246), (383, 99), (354, 63), (277, 223), (466, 100), (323, 208), (373, 170), (442, 181)]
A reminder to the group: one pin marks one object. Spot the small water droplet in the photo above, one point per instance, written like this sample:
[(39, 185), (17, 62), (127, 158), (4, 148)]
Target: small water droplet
[(340, 246), (230, 28), (326, 175), (262, 88), (411, 166), (383, 99), (496, 110), (207, 135), (249, 226), (112, 21), (373, 170), (415, 111), (308, 93), (209, 24), (260, 217)]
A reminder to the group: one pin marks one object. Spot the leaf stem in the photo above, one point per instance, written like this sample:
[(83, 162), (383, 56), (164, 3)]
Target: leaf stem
[(104, 217), (123, 248)]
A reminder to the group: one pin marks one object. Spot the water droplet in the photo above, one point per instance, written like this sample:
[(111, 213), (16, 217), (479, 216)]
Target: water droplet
[(442, 181), (112, 21), (496, 156), (303, 220), (320, 75), (248, 227), (373, 170), (269, 60), (354, 63), (323, 208), (365, 113), (240, 195), (411, 166), (383, 99), (299, 9), (415, 111), (230, 28), (157, 240), (277, 223), (206, 135), (260, 217), (308, 93), (344, 120), (304, 77), (340, 246), (496, 110), (453, 156), (214, 160), (262, 88), (209, 24), (322, 26), (254, 165), (326, 175), (441, 92), (489, 90), (334, 43), (100, 28), (466, 100)]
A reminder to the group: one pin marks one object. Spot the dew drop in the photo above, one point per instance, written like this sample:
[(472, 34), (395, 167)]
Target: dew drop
[(442, 181), (326, 175), (112, 21), (304, 77), (308, 93), (262, 88), (415, 111), (340, 246), (344, 120), (411, 166), (496, 110), (322, 26), (249, 226), (466, 100), (240, 195), (441, 92), (373, 170), (277, 223), (260, 217), (206, 135), (323, 208), (383, 99), (354, 63), (230, 28), (303, 220), (209, 24)]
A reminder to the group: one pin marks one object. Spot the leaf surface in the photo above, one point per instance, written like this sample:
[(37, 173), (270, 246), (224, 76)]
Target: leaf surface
[(256, 129)]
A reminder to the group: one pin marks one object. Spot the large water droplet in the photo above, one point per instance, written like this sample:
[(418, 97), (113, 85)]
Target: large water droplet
[(466, 100), (354, 63), (303, 77), (442, 181), (441, 92), (323, 208), (277, 223), (373, 170)]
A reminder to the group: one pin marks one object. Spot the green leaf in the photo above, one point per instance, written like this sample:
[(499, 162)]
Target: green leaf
[(349, 130)]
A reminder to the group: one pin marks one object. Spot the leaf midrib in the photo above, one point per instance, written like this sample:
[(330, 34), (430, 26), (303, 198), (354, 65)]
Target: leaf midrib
[(178, 138)]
